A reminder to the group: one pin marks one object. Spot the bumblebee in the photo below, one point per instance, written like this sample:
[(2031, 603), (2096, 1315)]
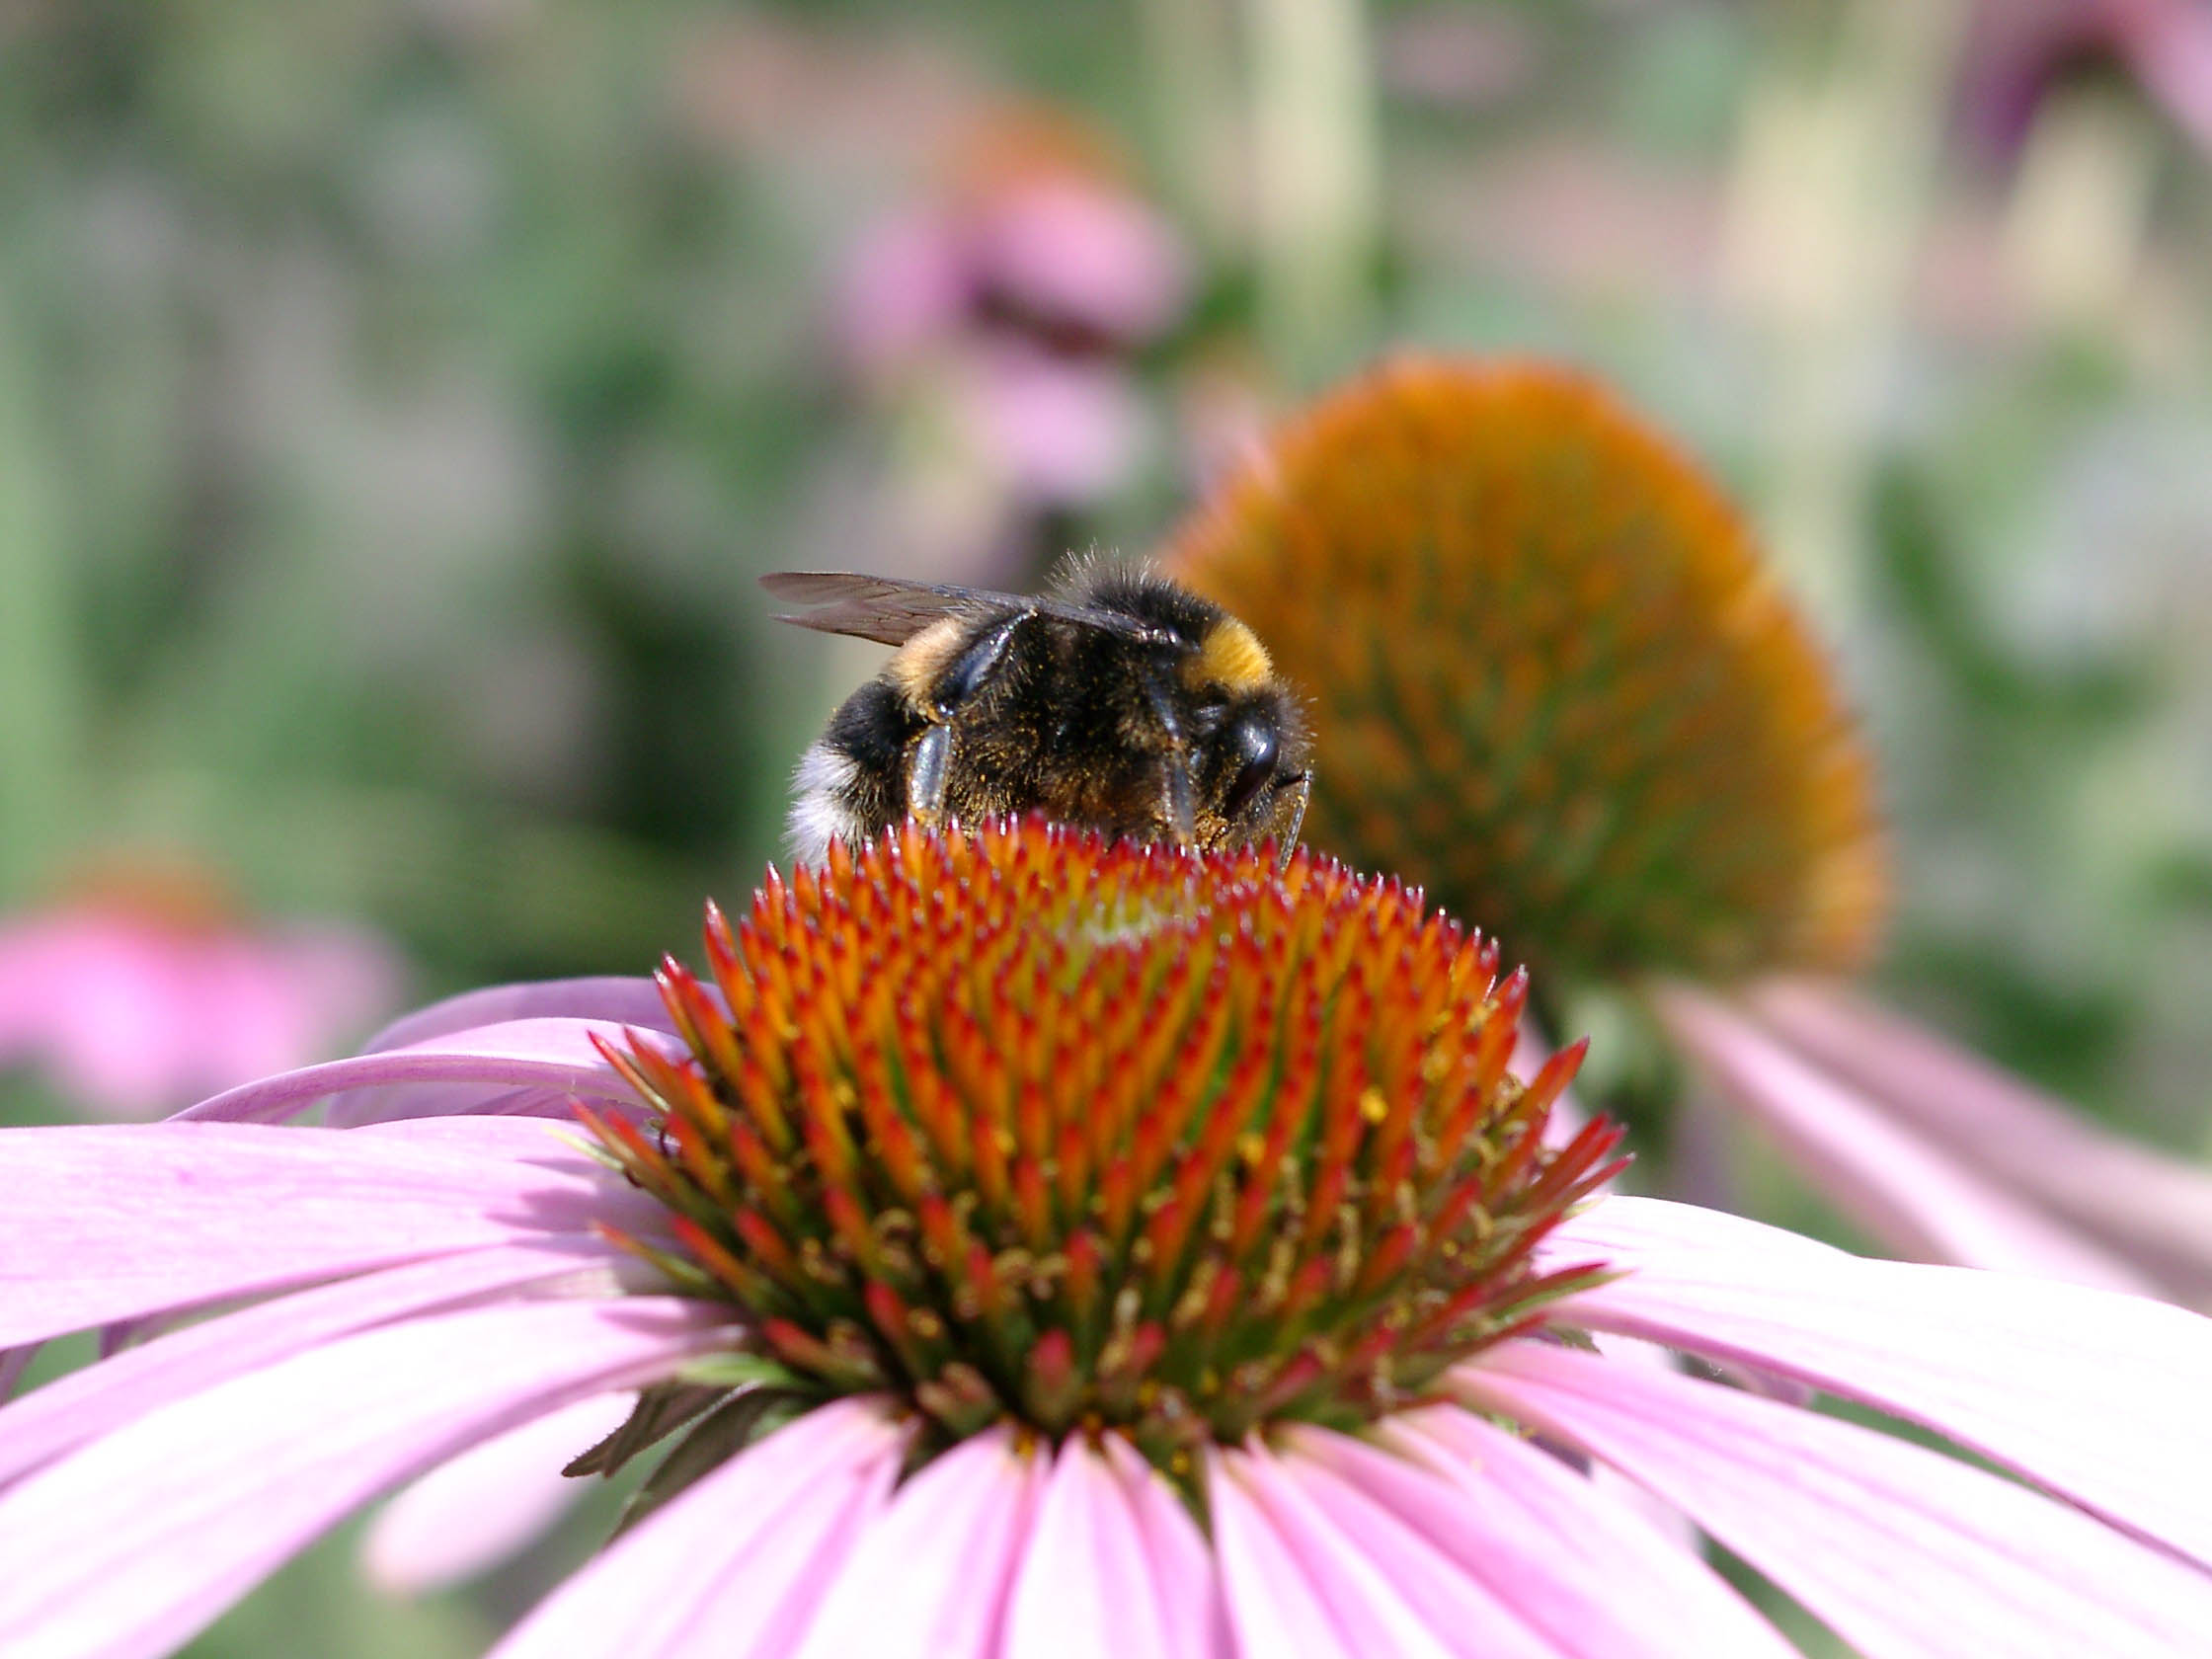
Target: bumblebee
[(1120, 702)]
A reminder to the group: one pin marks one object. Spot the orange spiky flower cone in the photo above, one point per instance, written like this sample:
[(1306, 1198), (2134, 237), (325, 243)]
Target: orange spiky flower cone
[(1551, 679), (1029, 1128)]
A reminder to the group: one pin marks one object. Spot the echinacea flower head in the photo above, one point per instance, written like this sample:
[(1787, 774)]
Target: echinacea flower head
[(1049, 1248), (1161, 1146), (1551, 679)]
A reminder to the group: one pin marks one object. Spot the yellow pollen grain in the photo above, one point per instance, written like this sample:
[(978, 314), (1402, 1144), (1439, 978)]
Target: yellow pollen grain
[(1233, 658), (1252, 1146), (1372, 1106)]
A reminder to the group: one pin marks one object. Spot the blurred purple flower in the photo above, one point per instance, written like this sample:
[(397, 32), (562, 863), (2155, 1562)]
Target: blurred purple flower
[(2020, 48), (135, 1007), (1012, 298), (1062, 430)]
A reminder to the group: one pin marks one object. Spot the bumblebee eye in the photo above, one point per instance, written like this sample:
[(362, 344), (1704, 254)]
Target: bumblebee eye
[(1251, 740)]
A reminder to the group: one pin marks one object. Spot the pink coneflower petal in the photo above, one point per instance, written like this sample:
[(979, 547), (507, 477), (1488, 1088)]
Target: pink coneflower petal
[(1184, 1582), (661, 1589), (542, 1053), (615, 999), (1579, 1568), (735, 1564), (929, 1578), (1296, 1583), (1912, 1195), (86, 1403), (2011, 1367), (1390, 1589), (1087, 1588), (148, 1533), (489, 1503), (238, 1209), (1827, 1511), (2126, 1193), (1270, 1598)]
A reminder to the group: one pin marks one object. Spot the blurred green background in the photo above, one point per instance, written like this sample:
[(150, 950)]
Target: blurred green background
[(399, 397)]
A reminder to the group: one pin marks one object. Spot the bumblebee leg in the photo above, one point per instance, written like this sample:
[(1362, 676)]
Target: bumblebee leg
[(1176, 797), (968, 673), (1305, 789), (928, 766)]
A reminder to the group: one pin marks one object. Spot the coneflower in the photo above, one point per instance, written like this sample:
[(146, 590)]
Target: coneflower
[(1037, 1247), (1553, 682)]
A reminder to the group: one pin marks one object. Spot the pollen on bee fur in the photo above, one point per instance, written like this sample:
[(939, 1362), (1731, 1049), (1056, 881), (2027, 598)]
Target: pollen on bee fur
[(1233, 658), (918, 663)]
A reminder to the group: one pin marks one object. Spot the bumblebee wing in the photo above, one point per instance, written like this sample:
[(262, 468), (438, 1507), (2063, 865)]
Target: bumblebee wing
[(877, 607), (892, 611)]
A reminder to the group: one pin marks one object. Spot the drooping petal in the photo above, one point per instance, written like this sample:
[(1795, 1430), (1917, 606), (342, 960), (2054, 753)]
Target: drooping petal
[(488, 1504), (1389, 1587), (1904, 1553), (930, 1576), (88, 1402), (534, 1053), (2126, 1193), (2078, 1389), (1910, 1194), (628, 1001), (1571, 1560), (608, 999), (1184, 1581), (146, 1535), (661, 1589), (1086, 1584), (113, 1222)]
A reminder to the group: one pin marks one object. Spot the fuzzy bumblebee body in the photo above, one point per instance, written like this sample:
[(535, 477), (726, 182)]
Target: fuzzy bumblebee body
[(1120, 702)]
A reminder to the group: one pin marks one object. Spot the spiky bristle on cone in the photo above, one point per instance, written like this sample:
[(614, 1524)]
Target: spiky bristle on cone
[(1550, 678)]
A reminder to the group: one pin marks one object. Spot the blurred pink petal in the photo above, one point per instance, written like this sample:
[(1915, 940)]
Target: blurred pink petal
[(489, 1503), (2001, 1363), (2124, 1192), (1088, 1587), (2168, 45), (145, 1536), (930, 1576), (1184, 1580), (815, 1482), (1826, 1511), (1062, 429), (1070, 251), (906, 287), (244, 1208), (1911, 1195), (137, 1015)]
